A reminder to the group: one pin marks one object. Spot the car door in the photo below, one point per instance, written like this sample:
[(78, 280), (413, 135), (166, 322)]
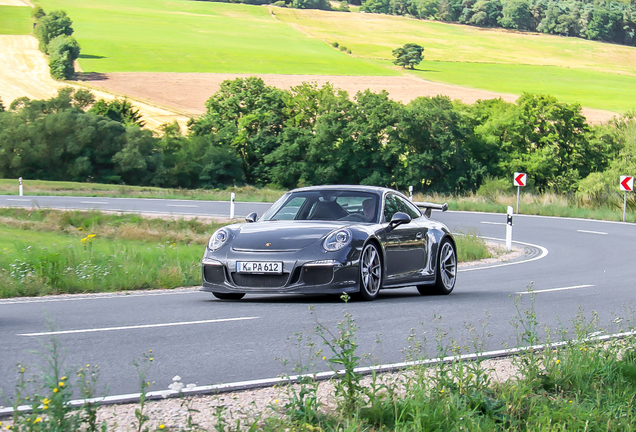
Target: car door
[(405, 244)]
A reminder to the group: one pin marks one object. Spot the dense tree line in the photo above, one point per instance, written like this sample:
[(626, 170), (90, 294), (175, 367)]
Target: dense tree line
[(297, 4), (610, 21), (260, 135), (54, 32)]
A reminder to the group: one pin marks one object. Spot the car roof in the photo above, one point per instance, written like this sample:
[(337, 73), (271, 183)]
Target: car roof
[(357, 188)]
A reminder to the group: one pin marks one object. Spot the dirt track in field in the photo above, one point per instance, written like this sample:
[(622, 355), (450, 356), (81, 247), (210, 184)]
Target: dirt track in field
[(189, 91), (24, 71)]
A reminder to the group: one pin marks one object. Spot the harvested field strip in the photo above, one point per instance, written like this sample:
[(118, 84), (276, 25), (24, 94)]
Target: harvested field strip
[(189, 91)]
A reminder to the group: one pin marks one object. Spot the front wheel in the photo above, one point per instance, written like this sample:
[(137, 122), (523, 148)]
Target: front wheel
[(446, 272), (228, 296), (370, 272)]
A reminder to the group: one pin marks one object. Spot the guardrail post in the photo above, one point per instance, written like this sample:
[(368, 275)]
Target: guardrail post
[(232, 197), (411, 192), (509, 229), (20, 187)]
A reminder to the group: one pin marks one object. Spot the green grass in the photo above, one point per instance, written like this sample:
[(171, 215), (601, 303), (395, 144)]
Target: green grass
[(15, 20), (193, 36), (45, 187), (587, 87), (51, 252)]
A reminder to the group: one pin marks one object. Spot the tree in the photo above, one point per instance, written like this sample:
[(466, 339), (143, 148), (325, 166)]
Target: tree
[(247, 115), (410, 55), (50, 26), (516, 15), (120, 110), (1, 106), (63, 51)]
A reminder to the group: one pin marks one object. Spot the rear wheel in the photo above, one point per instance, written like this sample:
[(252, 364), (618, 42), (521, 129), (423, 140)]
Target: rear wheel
[(370, 272), (228, 296), (446, 272)]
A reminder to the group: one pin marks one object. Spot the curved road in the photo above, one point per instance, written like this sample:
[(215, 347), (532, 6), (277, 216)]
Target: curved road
[(207, 341)]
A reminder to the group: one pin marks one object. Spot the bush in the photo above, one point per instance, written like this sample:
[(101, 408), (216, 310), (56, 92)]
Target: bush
[(280, 3), (63, 51)]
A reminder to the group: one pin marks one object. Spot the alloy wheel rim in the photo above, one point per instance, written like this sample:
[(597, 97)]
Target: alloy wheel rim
[(448, 265), (371, 270)]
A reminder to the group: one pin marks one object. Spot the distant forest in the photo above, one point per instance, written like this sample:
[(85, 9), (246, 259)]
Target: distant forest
[(608, 21)]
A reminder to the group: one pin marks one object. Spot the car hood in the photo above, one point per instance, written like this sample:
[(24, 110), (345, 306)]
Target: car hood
[(281, 235)]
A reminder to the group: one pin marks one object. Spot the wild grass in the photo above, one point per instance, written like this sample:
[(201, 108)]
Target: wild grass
[(15, 20), (51, 252)]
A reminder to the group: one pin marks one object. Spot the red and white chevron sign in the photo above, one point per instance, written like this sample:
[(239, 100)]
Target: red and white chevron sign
[(627, 183), (520, 179)]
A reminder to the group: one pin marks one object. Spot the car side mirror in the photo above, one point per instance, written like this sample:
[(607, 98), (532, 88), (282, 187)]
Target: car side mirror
[(399, 218), (252, 217)]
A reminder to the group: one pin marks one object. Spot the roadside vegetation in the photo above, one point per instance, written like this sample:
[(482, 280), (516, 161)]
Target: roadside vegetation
[(53, 252), (577, 380), (46, 252)]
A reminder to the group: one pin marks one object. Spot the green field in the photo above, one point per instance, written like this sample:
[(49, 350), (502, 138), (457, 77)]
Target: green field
[(15, 20), (192, 36)]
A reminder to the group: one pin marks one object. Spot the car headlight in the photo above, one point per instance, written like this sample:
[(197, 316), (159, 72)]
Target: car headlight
[(218, 239), (337, 240)]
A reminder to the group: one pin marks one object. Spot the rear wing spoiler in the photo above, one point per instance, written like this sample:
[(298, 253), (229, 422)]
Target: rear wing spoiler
[(428, 207)]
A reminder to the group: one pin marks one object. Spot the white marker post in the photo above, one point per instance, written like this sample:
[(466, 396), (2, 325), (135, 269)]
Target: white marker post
[(627, 185), (411, 192), (519, 180), (20, 187), (509, 229), (232, 197)]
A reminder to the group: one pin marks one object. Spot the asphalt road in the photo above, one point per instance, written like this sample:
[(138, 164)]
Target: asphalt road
[(589, 265)]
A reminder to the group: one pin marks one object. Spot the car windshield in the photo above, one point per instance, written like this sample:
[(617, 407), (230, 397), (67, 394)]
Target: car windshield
[(356, 206)]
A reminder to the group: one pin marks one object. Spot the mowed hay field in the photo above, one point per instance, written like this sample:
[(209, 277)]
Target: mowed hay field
[(154, 37)]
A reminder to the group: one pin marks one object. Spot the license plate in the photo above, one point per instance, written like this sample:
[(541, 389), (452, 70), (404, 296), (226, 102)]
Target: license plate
[(259, 267)]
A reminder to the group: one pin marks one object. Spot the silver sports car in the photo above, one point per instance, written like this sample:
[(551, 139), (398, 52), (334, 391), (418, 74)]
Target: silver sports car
[(333, 240)]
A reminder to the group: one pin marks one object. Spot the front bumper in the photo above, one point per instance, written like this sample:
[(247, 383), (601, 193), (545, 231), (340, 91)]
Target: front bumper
[(325, 276)]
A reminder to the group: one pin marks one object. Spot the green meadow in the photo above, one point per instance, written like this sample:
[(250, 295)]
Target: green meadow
[(15, 20), (193, 36)]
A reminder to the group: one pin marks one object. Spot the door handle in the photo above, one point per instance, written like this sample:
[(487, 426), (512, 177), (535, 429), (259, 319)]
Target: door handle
[(418, 236)]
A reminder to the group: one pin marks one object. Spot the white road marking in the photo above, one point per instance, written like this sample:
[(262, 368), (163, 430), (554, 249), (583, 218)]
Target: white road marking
[(17, 199), (97, 296), (93, 202), (555, 289), (544, 253), (592, 232), (136, 327), (180, 205), (493, 223)]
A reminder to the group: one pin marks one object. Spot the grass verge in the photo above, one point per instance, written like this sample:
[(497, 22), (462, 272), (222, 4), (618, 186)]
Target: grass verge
[(53, 252), (50, 252)]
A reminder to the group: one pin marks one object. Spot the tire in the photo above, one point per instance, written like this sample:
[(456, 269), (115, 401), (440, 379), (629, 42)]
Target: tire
[(228, 296), (370, 272), (446, 272)]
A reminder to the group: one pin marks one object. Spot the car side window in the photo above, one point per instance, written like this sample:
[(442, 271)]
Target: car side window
[(408, 208), (391, 206)]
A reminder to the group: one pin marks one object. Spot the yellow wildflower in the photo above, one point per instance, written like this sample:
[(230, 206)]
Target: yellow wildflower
[(558, 361), (161, 426), (37, 420), (63, 378), (324, 357), (46, 401), (61, 384), (55, 390)]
